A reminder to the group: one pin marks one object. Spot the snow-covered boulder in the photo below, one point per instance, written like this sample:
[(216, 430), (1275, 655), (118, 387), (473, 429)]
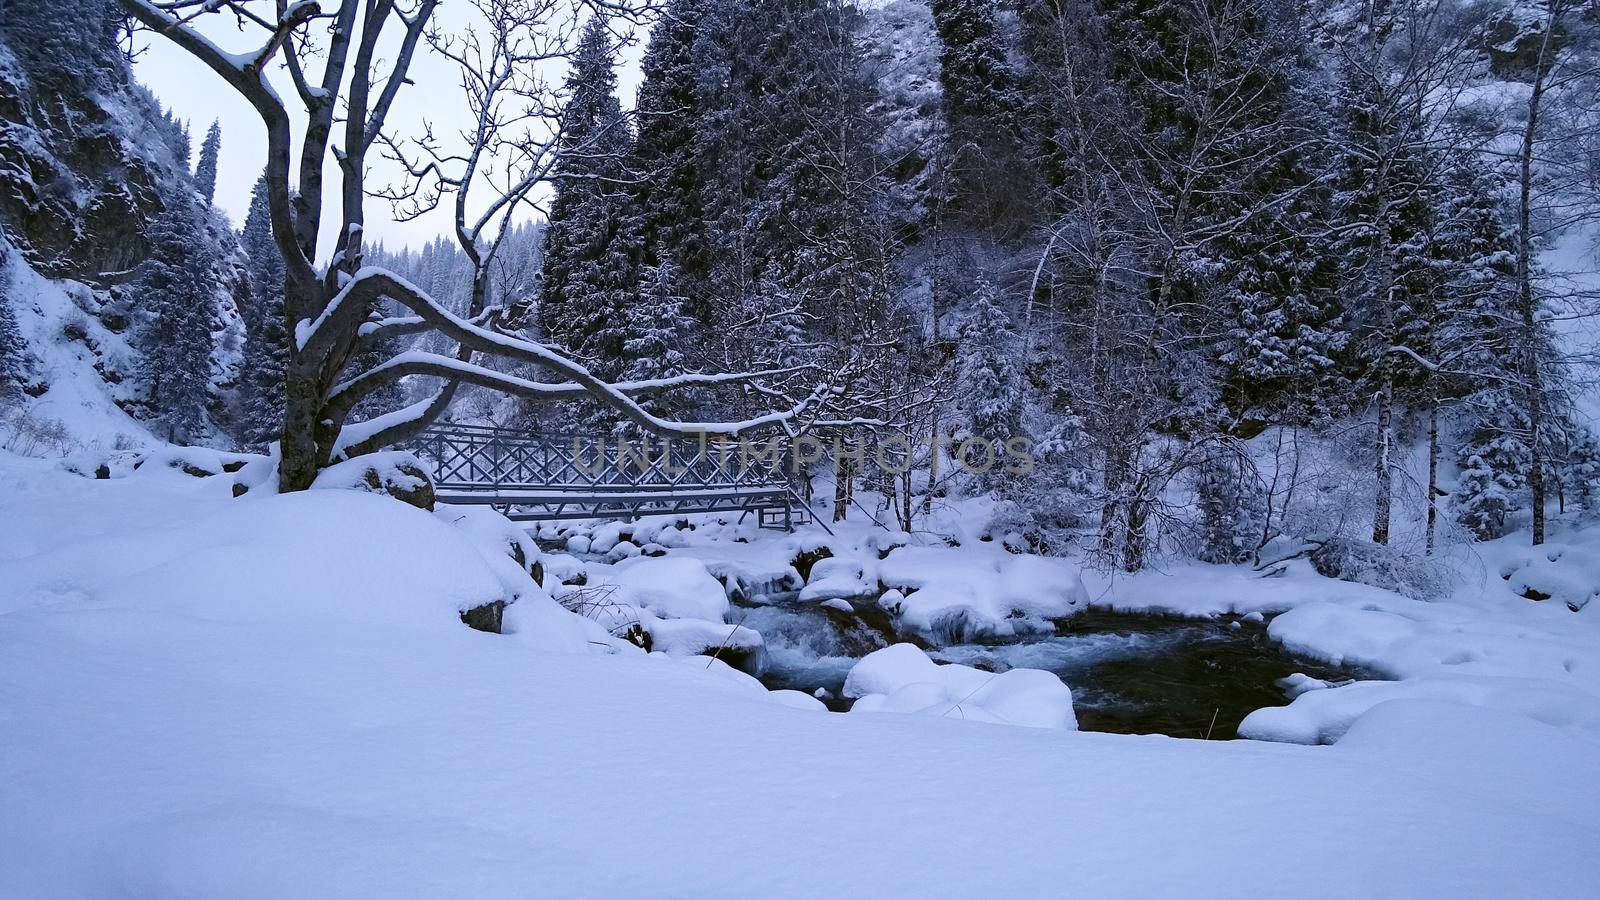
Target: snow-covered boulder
[(736, 645), (847, 578), (394, 472), (672, 587), (742, 683), (1565, 569), (494, 531), (562, 568), (623, 550), (605, 536), (959, 594), (901, 678)]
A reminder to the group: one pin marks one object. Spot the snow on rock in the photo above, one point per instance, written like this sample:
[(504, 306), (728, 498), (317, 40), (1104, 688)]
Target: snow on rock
[(749, 570), (561, 568), (841, 577), (605, 537), (198, 462), (1564, 570), (393, 472), (670, 586), (960, 594), (83, 366), (493, 531), (901, 678), (738, 646), (741, 683), (623, 550)]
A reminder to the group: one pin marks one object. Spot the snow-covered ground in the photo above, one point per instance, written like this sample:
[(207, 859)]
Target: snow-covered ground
[(275, 696)]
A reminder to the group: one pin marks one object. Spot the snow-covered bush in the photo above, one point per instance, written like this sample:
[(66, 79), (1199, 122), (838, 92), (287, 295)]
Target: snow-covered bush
[(1229, 503), (1392, 568), (28, 434)]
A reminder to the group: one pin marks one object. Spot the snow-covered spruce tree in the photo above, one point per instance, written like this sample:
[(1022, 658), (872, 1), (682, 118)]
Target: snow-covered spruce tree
[(762, 188), (1166, 132), (987, 181), (1493, 460), (266, 347), (1580, 471), (991, 388), (15, 360), (655, 332), (673, 136), (176, 288), (1289, 336), (813, 214), (205, 170), (1456, 343), (340, 78), (591, 241)]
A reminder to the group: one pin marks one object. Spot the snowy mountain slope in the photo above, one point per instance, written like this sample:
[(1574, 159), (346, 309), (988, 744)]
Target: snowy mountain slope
[(82, 368), (88, 160)]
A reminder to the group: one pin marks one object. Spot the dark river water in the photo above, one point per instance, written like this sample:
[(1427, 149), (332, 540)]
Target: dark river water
[(1131, 674)]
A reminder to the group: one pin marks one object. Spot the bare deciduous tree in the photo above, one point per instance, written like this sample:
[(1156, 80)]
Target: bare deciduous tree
[(346, 92)]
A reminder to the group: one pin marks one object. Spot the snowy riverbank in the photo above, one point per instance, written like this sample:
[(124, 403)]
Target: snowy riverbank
[(203, 696)]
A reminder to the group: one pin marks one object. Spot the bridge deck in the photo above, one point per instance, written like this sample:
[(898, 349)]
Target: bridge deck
[(543, 477)]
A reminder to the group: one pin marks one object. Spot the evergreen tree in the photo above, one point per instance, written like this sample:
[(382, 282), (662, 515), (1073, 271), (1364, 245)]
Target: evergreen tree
[(1383, 204), (205, 171), (591, 243), (1493, 462), (184, 143), (988, 181), (387, 398), (655, 332), (991, 378), (15, 360), (177, 286), (1289, 333), (672, 146), (1580, 472), (266, 347)]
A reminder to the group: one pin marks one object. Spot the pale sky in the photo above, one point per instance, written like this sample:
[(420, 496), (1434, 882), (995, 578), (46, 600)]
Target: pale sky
[(199, 96)]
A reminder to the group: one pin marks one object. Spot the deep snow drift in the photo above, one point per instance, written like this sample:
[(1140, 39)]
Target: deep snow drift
[(274, 696)]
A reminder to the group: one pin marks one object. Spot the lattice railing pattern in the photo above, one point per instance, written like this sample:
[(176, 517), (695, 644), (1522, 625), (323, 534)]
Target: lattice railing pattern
[(474, 456)]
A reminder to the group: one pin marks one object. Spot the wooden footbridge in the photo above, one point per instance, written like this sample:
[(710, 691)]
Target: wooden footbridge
[(539, 476)]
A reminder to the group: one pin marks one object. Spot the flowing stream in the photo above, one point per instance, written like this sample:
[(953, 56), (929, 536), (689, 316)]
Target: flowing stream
[(1131, 674)]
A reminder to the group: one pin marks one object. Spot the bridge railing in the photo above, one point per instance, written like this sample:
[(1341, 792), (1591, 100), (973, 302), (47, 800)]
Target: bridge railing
[(484, 457)]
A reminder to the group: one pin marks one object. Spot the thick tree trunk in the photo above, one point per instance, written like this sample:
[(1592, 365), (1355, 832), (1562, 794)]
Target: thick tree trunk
[(300, 458)]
